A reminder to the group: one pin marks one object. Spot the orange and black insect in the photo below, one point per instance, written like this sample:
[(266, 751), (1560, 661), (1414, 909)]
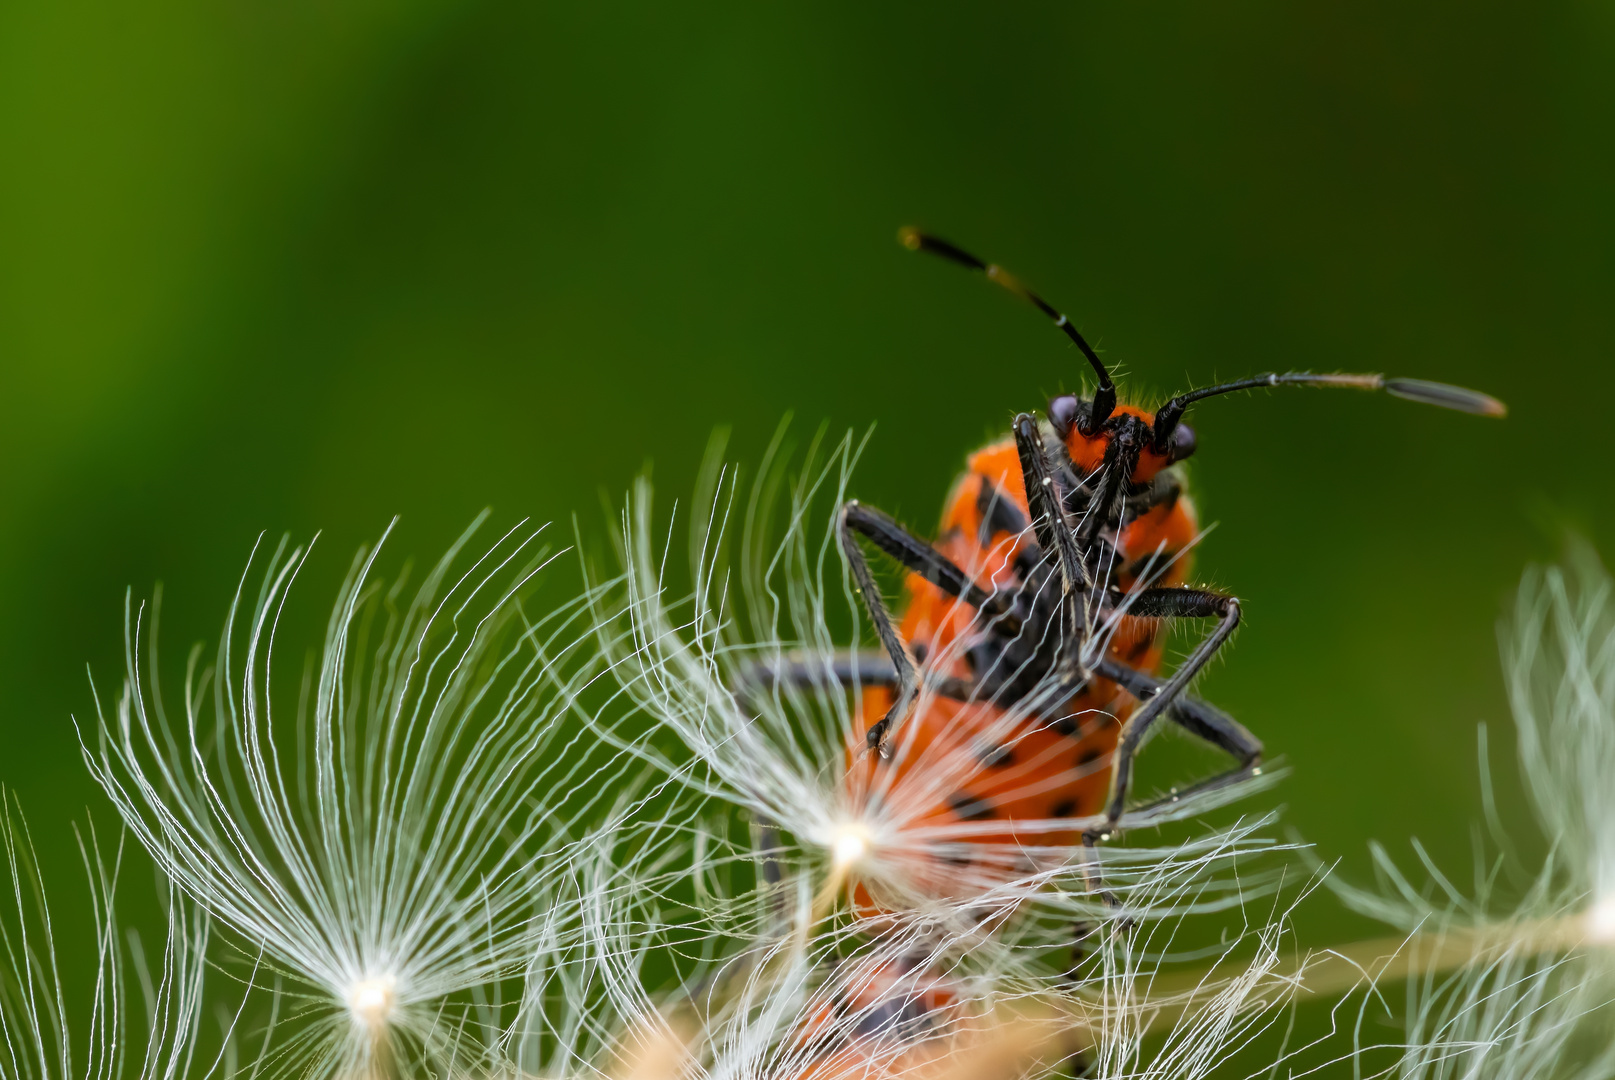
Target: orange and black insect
[(1062, 549)]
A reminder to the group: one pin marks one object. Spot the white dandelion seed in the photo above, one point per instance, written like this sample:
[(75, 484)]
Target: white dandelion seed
[(44, 1035), (1149, 1029), (1525, 992), (745, 995), (1559, 660), (782, 752), (385, 846), (789, 996)]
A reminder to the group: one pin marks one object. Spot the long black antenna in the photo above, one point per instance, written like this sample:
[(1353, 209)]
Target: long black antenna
[(1430, 393), (1104, 398)]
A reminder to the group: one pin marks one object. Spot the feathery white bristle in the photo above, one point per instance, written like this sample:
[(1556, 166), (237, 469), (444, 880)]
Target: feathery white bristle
[(402, 850), (42, 1027), (1559, 660), (1601, 922), (766, 1006), (776, 1000), (1533, 1000), (1211, 1022)]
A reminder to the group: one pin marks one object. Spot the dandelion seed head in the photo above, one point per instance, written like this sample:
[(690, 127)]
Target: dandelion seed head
[(849, 843), (373, 1001), (1529, 996), (389, 841), (1600, 922)]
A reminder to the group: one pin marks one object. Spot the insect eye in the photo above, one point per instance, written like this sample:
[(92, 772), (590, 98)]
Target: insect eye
[(1063, 412), (1182, 444)]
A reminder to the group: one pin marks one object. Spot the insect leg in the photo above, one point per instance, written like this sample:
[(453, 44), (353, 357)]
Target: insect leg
[(1049, 522), (1053, 529), (1121, 458), (766, 843), (1178, 604), (1055, 533), (852, 670), (1222, 780), (1199, 718), (902, 663), (928, 562)]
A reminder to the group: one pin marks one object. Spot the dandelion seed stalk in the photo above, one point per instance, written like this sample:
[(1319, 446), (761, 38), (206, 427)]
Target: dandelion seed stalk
[(1331, 972), (1029, 1035)]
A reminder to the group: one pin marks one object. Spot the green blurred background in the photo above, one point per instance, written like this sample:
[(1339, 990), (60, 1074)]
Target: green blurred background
[(299, 265)]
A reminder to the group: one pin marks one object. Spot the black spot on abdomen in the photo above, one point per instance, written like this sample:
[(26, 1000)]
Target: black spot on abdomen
[(995, 757), (969, 808)]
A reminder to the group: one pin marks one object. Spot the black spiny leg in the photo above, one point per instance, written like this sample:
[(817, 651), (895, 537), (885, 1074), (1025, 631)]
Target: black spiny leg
[(852, 670), (1054, 533), (1121, 458), (902, 662), (1167, 603), (1049, 523), (769, 850), (929, 563), (1198, 718), (849, 669)]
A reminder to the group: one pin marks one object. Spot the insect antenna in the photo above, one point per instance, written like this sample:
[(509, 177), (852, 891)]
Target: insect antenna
[(1104, 398), (1430, 393)]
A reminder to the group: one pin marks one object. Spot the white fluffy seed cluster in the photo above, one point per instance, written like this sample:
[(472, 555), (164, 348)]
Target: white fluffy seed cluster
[(474, 838)]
